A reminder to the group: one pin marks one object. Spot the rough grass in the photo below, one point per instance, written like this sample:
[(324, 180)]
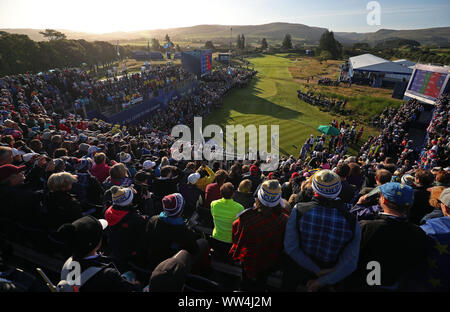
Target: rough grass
[(365, 102), (271, 99)]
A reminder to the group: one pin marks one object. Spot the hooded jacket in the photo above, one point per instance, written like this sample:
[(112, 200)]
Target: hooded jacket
[(125, 229)]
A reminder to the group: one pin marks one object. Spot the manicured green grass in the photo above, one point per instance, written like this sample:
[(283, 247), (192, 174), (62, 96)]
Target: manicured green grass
[(271, 99)]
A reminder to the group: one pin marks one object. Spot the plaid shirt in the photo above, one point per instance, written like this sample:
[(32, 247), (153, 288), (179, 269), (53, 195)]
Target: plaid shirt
[(258, 240), (324, 233)]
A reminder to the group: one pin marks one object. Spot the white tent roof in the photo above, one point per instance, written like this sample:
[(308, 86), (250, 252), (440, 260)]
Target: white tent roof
[(372, 63), (405, 63)]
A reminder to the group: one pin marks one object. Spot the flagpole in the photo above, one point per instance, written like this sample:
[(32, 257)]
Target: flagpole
[(231, 39)]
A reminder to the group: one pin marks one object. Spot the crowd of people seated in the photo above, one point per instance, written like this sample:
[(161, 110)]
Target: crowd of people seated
[(66, 90), (320, 100), (115, 200), (328, 82)]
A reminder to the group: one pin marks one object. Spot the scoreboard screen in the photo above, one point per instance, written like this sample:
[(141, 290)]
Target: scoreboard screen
[(427, 83), (198, 62), (206, 62)]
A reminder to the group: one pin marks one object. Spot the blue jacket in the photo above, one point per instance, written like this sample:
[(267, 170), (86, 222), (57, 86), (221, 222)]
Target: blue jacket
[(438, 277)]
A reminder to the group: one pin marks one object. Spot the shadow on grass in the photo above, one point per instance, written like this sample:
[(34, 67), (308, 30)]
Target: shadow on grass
[(247, 101)]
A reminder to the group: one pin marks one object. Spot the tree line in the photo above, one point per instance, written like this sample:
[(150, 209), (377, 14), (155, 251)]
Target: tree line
[(401, 49), (19, 54)]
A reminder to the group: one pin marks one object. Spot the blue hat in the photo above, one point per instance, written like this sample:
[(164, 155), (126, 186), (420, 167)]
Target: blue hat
[(397, 193)]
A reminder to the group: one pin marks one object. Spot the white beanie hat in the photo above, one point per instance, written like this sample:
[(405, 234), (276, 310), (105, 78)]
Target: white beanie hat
[(148, 164), (193, 178), (125, 157)]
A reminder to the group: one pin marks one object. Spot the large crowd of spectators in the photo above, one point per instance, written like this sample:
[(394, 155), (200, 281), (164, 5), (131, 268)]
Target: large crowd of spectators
[(113, 198)]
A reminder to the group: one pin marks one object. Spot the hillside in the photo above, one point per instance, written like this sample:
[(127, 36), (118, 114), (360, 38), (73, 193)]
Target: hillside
[(438, 36), (273, 32)]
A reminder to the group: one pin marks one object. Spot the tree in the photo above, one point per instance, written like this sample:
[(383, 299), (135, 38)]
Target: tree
[(167, 38), (264, 44), (240, 42), (325, 55), (361, 46), (156, 46), (328, 43), (52, 35), (209, 45), (287, 42)]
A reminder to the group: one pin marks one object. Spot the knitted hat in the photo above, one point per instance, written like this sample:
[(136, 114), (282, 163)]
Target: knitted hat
[(83, 147), (270, 193), (125, 157), (83, 138), (121, 196), (254, 170), (408, 179), (148, 164), (81, 164), (326, 183), (193, 178), (93, 149), (173, 204)]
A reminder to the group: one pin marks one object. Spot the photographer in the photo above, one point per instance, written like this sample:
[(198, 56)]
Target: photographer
[(207, 176)]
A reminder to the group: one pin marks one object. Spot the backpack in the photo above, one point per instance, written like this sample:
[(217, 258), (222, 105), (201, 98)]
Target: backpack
[(65, 286)]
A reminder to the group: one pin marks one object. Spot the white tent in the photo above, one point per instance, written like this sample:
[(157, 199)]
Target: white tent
[(405, 63), (368, 63)]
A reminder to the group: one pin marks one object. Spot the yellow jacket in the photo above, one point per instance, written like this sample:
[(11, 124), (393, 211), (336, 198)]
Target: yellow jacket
[(203, 182)]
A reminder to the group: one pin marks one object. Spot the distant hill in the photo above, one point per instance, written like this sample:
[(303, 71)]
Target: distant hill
[(429, 36), (273, 32)]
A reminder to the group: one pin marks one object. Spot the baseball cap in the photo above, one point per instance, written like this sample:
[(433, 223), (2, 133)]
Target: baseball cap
[(17, 152), (83, 235), (397, 193), (8, 170)]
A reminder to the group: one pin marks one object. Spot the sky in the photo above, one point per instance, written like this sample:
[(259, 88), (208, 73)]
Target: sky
[(102, 16)]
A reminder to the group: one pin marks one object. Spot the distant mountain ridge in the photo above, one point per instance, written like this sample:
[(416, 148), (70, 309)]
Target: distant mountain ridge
[(254, 33)]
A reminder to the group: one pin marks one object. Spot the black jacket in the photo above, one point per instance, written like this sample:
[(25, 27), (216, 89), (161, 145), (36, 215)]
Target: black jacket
[(165, 240), (420, 207), (348, 192), (21, 204), (163, 187), (61, 208), (245, 199), (398, 245), (109, 279), (126, 228)]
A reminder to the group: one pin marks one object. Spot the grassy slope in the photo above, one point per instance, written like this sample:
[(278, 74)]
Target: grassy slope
[(366, 102), (272, 99)]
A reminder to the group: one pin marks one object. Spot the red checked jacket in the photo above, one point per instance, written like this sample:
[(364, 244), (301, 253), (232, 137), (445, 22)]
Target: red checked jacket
[(258, 240)]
